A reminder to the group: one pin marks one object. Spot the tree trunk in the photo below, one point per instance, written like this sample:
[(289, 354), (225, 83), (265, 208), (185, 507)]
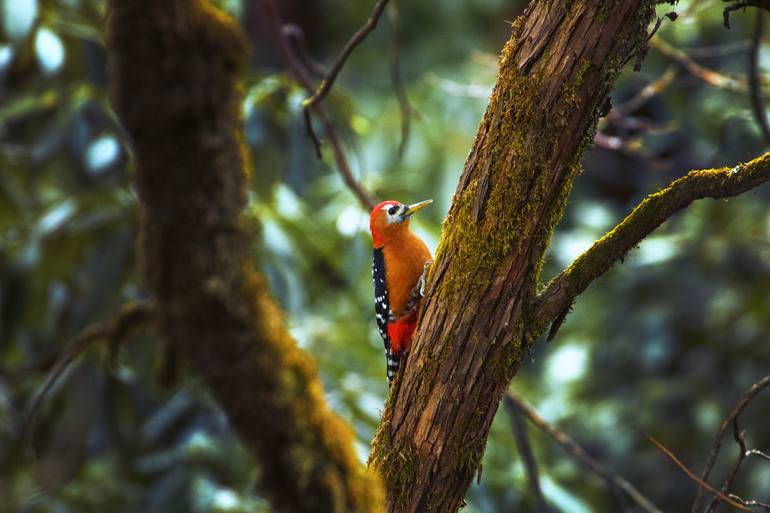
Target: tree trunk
[(176, 64), (555, 74)]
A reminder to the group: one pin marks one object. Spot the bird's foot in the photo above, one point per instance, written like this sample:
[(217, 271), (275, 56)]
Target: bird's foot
[(424, 276)]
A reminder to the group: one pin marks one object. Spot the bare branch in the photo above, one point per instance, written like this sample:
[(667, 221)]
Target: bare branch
[(671, 16), (114, 330), (295, 33), (331, 76), (519, 428), (577, 452), (740, 439), (646, 217), (645, 93), (757, 452), (762, 4), (755, 87), (732, 418), (752, 503), (701, 483), (301, 74), (707, 75)]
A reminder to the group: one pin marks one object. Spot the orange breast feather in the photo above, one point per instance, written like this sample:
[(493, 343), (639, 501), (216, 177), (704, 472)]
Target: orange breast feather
[(404, 262)]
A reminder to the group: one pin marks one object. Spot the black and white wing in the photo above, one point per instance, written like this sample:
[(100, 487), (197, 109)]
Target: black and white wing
[(382, 309), (381, 304)]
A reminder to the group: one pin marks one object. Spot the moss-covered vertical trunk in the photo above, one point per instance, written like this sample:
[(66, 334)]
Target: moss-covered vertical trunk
[(176, 66), (554, 77)]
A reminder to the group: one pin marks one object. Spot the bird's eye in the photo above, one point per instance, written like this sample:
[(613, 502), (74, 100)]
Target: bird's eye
[(392, 210)]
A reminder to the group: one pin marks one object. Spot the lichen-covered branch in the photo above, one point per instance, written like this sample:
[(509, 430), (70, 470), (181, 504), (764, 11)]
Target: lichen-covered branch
[(648, 215), (175, 66)]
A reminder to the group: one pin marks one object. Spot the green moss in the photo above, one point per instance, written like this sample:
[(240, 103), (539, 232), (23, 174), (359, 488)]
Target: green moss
[(397, 466), (508, 168)]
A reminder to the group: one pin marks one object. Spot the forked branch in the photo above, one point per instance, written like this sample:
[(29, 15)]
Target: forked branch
[(300, 67), (731, 419)]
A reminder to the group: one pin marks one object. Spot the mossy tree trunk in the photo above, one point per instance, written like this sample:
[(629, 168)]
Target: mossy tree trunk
[(555, 74), (176, 66)]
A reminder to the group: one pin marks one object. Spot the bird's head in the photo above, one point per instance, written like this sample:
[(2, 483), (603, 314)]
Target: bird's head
[(390, 219)]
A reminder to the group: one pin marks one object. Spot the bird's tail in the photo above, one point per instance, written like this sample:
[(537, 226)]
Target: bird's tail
[(394, 360)]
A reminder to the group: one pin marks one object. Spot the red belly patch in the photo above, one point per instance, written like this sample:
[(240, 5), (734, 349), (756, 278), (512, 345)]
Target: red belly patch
[(400, 332)]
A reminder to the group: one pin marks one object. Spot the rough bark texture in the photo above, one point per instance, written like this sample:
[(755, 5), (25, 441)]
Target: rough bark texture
[(554, 77), (175, 70)]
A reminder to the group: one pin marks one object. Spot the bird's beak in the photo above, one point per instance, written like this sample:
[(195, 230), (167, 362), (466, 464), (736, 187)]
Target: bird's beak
[(411, 209)]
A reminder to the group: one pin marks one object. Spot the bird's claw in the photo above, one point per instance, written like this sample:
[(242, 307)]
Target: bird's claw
[(424, 276)]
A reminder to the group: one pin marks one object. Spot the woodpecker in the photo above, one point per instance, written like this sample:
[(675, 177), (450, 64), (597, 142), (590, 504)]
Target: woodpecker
[(399, 266)]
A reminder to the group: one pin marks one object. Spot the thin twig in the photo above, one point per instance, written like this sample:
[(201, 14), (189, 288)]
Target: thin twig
[(295, 33), (671, 16), (755, 389), (643, 96), (519, 428), (300, 73), (395, 78), (754, 503), (620, 115), (114, 330), (755, 86), (740, 439), (707, 75), (720, 50), (757, 452), (334, 71), (577, 452), (672, 457), (761, 4)]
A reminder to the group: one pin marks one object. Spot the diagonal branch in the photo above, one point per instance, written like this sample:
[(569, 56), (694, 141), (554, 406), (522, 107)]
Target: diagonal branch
[(519, 427), (646, 217), (331, 76), (299, 70), (580, 454), (709, 76), (689, 473)]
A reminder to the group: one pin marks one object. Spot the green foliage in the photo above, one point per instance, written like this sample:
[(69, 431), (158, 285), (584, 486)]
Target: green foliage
[(666, 342)]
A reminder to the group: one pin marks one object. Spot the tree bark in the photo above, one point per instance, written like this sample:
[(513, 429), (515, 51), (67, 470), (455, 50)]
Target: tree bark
[(176, 64), (555, 73)]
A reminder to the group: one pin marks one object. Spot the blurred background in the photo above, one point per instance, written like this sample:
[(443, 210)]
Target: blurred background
[(666, 342)]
